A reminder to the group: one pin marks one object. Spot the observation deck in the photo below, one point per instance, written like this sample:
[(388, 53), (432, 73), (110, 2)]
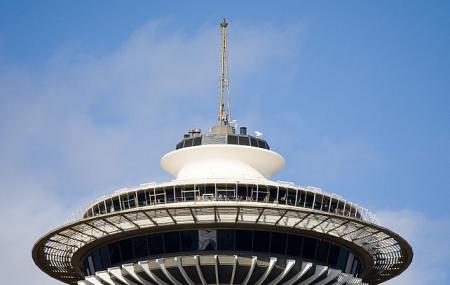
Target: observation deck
[(376, 253)]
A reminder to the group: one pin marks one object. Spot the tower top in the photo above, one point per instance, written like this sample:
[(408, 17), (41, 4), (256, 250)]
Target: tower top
[(224, 116)]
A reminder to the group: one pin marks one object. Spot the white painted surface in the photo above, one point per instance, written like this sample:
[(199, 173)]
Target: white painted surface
[(222, 161)]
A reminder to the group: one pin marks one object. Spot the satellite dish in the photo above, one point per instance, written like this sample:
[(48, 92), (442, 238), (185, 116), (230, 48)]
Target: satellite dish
[(258, 134)]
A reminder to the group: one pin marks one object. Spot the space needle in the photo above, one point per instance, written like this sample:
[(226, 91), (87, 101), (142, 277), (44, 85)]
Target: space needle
[(222, 220)]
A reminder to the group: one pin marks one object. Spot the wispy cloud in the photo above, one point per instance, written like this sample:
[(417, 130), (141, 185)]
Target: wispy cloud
[(429, 239)]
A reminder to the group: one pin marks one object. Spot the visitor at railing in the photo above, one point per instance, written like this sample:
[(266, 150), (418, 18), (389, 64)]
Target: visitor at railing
[(291, 197)]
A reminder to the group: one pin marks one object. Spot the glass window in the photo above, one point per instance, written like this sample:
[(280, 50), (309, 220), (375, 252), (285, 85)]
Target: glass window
[(342, 261), (262, 144), (210, 189), (354, 266), (309, 200), (291, 197), (225, 239), (207, 239), (155, 244), (318, 202), (252, 191), (172, 242), (294, 245), (189, 240), (273, 194), (278, 243), (325, 204), (309, 248), (253, 141), (244, 140), (333, 255), (97, 261), (348, 266), (141, 199), (322, 251), (261, 241), (169, 194), (188, 143), (140, 247), (244, 240), (132, 200), (301, 199), (114, 253), (88, 270), (197, 141), (109, 206), (262, 194), (179, 145), (91, 265), (242, 192), (116, 204), (232, 139), (104, 255), (282, 196), (178, 195), (126, 249)]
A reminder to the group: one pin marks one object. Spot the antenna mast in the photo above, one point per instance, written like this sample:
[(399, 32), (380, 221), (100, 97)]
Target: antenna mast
[(224, 113)]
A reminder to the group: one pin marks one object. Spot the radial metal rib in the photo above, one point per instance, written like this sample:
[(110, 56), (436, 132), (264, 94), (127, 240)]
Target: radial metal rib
[(250, 271), (183, 272), (318, 272), (93, 280), (129, 268), (305, 267), (233, 272), (199, 270), (216, 268), (272, 262), (104, 276), (289, 265), (117, 273), (332, 274), (169, 276), (146, 268)]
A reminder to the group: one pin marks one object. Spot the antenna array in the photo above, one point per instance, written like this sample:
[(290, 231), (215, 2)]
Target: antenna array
[(224, 117)]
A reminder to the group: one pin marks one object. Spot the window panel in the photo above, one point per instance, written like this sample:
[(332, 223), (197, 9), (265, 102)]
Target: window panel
[(261, 241), (232, 139), (309, 248), (172, 242), (140, 246), (189, 240), (333, 255), (322, 251), (278, 243), (294, 245), (114, 253), (243, 240), (225, 239), (155, 244), (126, 249), (244, 140)]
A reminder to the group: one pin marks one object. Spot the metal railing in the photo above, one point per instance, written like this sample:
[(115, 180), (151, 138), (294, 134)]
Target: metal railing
[(281, 193)]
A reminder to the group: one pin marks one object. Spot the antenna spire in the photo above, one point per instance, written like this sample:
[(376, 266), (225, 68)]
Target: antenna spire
[(224, 111)]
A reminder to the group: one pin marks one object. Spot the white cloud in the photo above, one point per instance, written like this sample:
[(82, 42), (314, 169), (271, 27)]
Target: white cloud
[(83, 125), (429, 238)]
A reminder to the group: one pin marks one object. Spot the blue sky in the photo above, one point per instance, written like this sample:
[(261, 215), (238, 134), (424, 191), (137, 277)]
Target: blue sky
[(354, 94)]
